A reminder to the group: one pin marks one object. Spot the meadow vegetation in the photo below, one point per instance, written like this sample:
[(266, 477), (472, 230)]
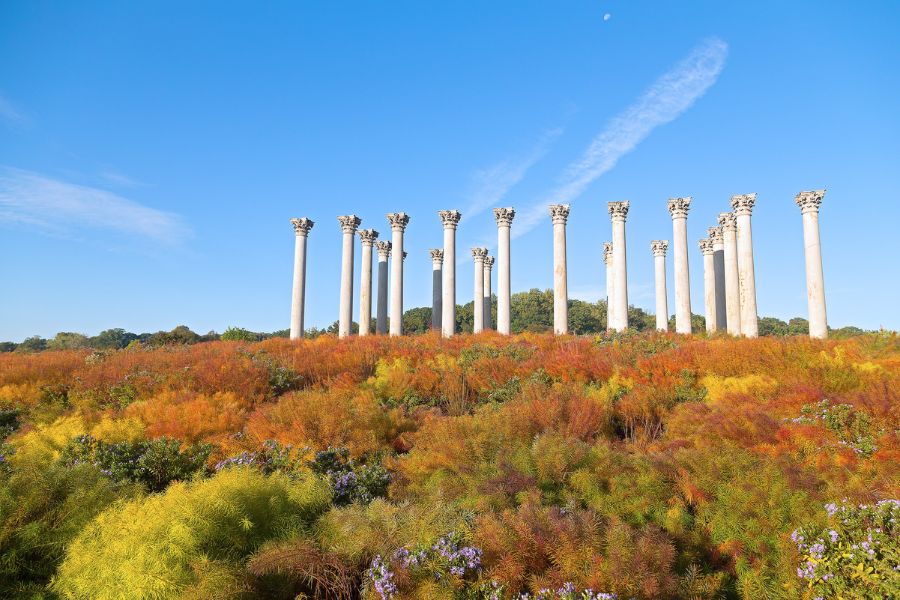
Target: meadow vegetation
[(638, 466)]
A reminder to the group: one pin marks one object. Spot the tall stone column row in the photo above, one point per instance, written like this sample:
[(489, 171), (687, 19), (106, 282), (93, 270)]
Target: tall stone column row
[(559, 213), (659, 248)]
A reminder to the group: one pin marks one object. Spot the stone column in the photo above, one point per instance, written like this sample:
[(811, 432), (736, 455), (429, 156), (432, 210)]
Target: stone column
[(349, 223), (437, 262), (809, 203), (728, 223), (659, 248), (610, 282), (478, 255), (618, 211), (488, 265), (384, 252), (504, 218), (678, 208), (398, 222), (559, 213), (718, 244), (450, 220), (298, 293), (367, 237), (709, 284), (743, 207)]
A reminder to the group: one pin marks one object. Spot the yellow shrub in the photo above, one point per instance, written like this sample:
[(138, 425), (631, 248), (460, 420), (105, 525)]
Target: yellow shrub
[(718, 388), (113, 431), (43, 444)]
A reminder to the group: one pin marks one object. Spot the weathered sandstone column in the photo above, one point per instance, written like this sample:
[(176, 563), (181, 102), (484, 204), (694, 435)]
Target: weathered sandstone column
[(384, 252), (678, 208), (659, 248), (559, 213), (398, 222), (809, 203), (742, 205), (718, 244), (709, 284), (618, 211), (437, 262), (478, 255), (610, 282), (367, 237), (728, 223), (488, 265), (298, 293), (349, 223), (504, 218), (450, 219)]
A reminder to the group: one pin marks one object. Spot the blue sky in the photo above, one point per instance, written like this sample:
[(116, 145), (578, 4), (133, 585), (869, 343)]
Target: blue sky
[(151, 155)]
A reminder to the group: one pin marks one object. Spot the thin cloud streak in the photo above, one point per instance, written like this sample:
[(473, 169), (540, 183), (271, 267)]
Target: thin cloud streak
[(59, 207), (9, 112), (667, 99), (491, 185)]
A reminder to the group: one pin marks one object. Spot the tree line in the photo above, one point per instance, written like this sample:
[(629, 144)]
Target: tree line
[(529, 311)]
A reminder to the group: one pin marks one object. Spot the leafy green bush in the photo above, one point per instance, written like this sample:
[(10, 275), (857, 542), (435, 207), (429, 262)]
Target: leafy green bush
[(350, 480)]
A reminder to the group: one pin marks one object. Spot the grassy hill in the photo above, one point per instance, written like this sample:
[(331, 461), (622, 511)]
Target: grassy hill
[(633, 466)]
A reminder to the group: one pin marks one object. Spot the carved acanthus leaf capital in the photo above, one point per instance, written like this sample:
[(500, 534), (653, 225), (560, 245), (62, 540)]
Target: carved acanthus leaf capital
[(437, 256), (728, 222), (659, 247), (405, 254), (716, 235), (478, 254), (504, 216), (679, 207), (742, 204), (618, 210), (398, 221), (810, 201), (349, 223), (450, 218), (607, 253), (367, 236), (706, 246), (302, 225), (384, 249), (488, 262), (559, 213)]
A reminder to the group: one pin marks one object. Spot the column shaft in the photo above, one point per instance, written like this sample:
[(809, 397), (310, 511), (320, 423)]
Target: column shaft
[(381, 322), (659, 248), (478, 255), (743, 206), (488, 264), (809, 203), (437, 260), (709, 285), (368, 237), (619, 212), (715, 234), (678, 207), (450, 220), (732, 273), (504, 217), (398, 223), (559, 213), (610, 284), (298, 291), (349, 224)]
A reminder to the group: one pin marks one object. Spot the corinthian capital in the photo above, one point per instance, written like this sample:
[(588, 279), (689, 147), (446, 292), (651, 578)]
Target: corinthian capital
[(742, 204), (618, 210), (559, 213), (716, 235), (302, 226), (437, 256), (727, 222), (679, 207), (706, 246), (607, 253), (398, 221), (488, 262), (478, 254), (367, 236), (384, 249), (810, 201), (450, 218), (349, 223), (659, 247), (504, 216)]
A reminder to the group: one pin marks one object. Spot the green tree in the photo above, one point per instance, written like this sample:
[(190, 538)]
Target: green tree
[(798, 326), (416, 320), (68, 341), (586, 318), (772, 326), (112, 339), (33, 344), (465, 317), (531, 311), (239, 334)]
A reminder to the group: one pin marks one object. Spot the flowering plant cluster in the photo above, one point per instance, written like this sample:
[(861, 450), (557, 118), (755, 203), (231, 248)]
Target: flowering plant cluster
[(568, 591), (270, 458), (351, 481), (851, 426), (857, 555)]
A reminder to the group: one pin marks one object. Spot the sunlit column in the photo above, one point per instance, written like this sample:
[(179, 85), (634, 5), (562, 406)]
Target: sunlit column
[(728, 222), (298, 293), (809, 203), (659, 248), (398, 222), (450, 220), (709, 284), (743, 207), (478, 255), (367, 237), (559, 213), (349, 223), (610, 282), (678, 208), (618, 212), (504, 218)]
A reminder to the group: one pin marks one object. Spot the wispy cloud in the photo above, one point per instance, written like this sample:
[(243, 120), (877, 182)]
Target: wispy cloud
[(60, 207), (669, 97), (119, 179), (491, 185), (9, 112)]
